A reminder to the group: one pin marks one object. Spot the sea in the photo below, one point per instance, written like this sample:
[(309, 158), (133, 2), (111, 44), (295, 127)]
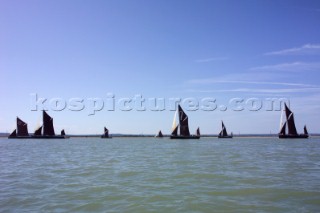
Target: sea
[(160, 175)]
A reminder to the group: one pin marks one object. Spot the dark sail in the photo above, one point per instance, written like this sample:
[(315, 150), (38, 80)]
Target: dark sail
[(283, 129), (198, 132), (175, 131), (305, 130), (63, 133), (22, 128), (106, 132), (224, 130), (13, 134), (290, 120), (38, 131), (183, 122), (47, 124), (160, 135)]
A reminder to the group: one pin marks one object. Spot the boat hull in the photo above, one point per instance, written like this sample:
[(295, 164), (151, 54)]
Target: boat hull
[(185, 137), (293, 136), (19, 137), (49, 137), (106, 137), (229, 136), (39, 137)]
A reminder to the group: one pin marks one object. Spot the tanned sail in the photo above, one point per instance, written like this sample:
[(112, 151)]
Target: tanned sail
[(13, 134), (106, 133), (48, 129), (22, 128), (63, 132), (292, 131), (183, 121), (175, 131), (305, 131), (183, 126), (223, 133), (159, 135), (198, 132), (38, 131)]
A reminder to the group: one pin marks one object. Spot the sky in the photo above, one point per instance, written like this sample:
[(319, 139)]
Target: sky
[(114, 51)]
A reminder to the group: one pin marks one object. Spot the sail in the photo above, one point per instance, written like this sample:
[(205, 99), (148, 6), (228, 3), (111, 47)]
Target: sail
[(13, 134), (160, 135), (63, 133), (224, 130), (183, 122), (22, 128), (48, 128), (106, 132), (175, 131), (38, 131), (290, 120), (174, 123), (305, 130), (198, 132), (283, 129)]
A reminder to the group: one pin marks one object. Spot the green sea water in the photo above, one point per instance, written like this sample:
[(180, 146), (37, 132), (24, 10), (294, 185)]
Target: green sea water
[(160, 175)]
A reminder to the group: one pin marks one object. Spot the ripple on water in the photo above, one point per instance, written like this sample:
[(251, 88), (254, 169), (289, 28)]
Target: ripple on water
[(148, 175)]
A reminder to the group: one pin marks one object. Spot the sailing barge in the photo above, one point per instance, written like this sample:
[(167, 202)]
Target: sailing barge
[(106, 133), (183, 126), (159, 135), (46, 131), (292, 131), (224, 133)]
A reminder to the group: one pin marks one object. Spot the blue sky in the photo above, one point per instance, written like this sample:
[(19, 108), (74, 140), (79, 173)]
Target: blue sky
[(161, 49)]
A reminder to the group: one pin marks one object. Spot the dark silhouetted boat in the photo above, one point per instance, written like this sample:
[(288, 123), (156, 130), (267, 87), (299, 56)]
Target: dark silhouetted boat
[(106, 133), (183, 126), (22, 130), (159, 135), (224, 133), (290, 125), (198, 132), (46, 131)]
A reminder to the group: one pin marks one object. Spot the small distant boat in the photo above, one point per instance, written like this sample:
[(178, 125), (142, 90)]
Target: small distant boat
[(21, 132), (290, 124), (46, 131), (106, 133), (198, 132), (159, 135), (64, 134), (183, 126), (224, 133)]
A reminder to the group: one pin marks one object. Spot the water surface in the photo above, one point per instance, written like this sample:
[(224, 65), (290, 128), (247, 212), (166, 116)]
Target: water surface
[(160, 175)]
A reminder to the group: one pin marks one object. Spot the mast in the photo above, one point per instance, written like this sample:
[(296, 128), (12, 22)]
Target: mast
[(290, 121), (22, 128), (48, 128), (183, 122)]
